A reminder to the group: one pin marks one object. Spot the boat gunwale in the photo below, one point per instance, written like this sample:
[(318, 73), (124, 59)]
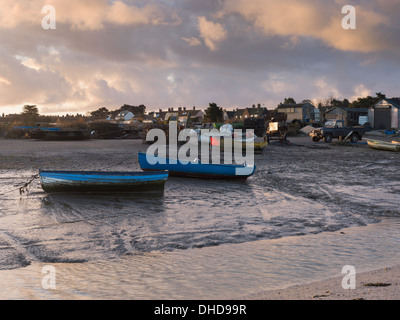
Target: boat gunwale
[(203, 164), (104, 173)]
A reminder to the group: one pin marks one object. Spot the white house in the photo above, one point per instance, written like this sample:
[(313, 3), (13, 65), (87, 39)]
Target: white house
[(124, 116)]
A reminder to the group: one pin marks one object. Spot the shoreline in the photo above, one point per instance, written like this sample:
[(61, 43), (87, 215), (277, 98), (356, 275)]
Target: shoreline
[(378, 284)]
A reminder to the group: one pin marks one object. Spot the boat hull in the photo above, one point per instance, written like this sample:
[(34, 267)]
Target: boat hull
[(195, 170), (89, 181), (383, 145), (57, 135), (259, 144)]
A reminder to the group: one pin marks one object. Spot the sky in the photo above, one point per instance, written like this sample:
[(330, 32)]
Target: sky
[(171, 53)]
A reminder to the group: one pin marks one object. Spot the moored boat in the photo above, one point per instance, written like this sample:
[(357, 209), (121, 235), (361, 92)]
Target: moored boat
[(101, 181), (260, 143), (383, 145), (52, 134), (195, 169)]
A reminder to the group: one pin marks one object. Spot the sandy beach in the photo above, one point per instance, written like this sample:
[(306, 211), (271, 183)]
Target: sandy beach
[(382, 284)]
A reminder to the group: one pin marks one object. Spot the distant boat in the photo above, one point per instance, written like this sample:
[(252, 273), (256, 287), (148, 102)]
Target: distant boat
[(226, 132), (60, 134), (383, 145), (259, 144), (196, 169), (97, 181)]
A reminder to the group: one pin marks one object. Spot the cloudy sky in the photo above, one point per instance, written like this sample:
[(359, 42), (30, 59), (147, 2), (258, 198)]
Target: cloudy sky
[(164, 53)]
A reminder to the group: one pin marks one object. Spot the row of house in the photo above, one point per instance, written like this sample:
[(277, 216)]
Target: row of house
[(182, 115), (384, 114)]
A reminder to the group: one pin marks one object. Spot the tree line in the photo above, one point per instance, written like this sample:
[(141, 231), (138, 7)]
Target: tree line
[(213, 113), (361, 102), (103, 112)]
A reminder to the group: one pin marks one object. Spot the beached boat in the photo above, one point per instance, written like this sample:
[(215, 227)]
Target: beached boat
[(195, 169), (60, 134), (97, 181), (383, 145), (245, 138), (260, 143)]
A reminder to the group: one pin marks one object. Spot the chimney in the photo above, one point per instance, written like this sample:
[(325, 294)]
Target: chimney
[(184, 108), (194, 108), (179, 109), (159, 110), (172, 109)]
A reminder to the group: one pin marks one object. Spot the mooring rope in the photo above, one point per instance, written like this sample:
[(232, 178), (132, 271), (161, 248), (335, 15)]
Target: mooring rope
[(24, 187)]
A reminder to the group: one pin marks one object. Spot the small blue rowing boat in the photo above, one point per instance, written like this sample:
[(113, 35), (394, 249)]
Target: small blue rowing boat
[(96, 181), (195, 169)]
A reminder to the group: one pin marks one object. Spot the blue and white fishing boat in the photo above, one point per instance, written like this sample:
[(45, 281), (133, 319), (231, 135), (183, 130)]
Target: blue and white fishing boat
[(97, 181), (195, 169)]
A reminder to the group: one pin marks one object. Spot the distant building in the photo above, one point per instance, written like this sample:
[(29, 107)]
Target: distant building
[(228, 115), (350, 116), (191, 115), (301, 112), (253, 112), (125, 116), (180, 114), (385, 114), (239, 114)]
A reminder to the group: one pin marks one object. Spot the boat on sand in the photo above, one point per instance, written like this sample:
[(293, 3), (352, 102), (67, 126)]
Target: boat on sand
[(195, 169), (383, 145), (101, 181)]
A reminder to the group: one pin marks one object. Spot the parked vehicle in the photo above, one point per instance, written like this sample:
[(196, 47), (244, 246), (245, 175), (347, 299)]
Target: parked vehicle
[(335, 129), (277, 129)]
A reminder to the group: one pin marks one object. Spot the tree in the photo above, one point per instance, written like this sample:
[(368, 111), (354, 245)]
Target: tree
[(136, 110), (288, 101), (214, 113), (30, 114), (101, 113), (366, 102)]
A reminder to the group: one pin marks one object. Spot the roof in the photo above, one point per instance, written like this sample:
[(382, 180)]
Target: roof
[(359, 110), (230, 114), (191, 113), (239, 112), (124, 113), (297, 105), (258, 111), (393, 101)]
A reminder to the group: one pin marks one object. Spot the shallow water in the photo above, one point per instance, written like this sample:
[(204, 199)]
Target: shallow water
[(140, 245), (228, 271)]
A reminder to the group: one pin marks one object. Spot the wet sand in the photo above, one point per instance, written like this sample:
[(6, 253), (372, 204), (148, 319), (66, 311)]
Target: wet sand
[(381, 284), (329, 174)]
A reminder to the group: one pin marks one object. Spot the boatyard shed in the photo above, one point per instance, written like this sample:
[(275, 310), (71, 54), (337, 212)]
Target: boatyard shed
[(350, 116), (385, 114)]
